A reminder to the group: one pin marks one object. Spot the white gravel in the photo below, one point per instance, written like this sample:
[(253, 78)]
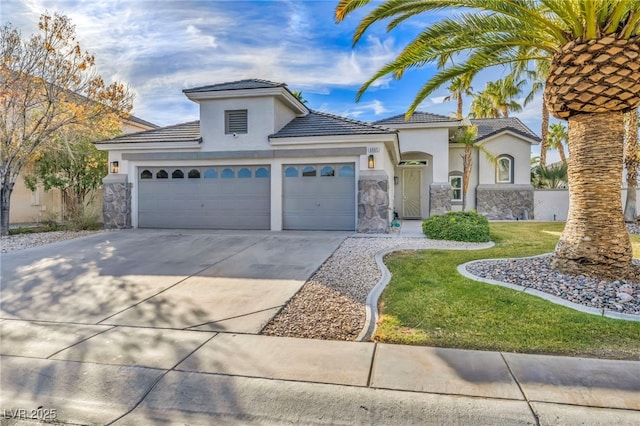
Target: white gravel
[(331, 305), (16, 242)]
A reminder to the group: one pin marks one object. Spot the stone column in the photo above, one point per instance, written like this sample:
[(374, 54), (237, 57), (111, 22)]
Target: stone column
[(116, 205), (439, 198), (505, 202), (373, 202)]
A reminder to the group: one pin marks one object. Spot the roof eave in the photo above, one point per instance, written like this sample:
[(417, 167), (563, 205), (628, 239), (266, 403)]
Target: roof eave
[(127, 146)]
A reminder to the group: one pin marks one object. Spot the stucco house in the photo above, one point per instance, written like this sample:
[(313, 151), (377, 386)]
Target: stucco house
[(33, 206), (258, 158)]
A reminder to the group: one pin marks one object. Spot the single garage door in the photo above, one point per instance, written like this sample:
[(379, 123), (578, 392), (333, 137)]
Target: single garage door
[(224, 197), (319, 197)]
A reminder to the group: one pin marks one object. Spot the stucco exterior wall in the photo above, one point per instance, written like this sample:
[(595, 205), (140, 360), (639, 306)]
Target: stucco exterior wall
[(260, 124), (553, 204), (507, 144), (431, 141), (282, 115)]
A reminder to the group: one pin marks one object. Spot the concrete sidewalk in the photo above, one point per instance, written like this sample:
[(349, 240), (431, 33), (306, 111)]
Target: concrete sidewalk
[(132, 375)]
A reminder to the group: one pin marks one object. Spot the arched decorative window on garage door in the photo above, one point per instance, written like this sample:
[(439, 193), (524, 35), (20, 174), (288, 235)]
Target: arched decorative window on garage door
[(162, 174), (146, 174)]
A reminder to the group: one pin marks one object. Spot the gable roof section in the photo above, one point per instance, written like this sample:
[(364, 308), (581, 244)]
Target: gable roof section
[(488, 127), (253, 83), (185, 132), (138, 120), (418, 117), (322, 124)]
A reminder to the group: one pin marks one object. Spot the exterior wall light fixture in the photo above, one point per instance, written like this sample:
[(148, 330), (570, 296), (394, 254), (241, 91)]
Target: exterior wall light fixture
[(115, 167), (372, 161)]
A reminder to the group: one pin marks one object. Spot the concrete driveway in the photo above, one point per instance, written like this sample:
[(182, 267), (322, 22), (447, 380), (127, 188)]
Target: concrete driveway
[(231, 281)]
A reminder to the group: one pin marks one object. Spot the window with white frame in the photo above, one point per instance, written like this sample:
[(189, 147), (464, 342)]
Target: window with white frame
[(456, 187), (235, 121), (504, 169)]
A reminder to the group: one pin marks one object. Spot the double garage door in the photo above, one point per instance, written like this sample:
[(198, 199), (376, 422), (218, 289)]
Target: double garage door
[(315, 197)]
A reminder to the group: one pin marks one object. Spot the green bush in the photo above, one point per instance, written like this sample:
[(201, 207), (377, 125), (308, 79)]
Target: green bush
[(457, 226)]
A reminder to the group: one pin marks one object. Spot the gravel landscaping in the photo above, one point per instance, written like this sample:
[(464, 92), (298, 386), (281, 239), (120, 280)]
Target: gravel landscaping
[(16, 242), (618, 295), (331, 305)]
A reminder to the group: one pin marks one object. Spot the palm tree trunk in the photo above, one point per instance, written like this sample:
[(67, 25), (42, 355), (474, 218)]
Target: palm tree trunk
[(459, 112), (544, 135), (563, 157), (595, 240), (467, 164), (631, 164)]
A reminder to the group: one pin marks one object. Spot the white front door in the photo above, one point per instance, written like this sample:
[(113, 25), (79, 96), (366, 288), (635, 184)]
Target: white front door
[(411, 182)]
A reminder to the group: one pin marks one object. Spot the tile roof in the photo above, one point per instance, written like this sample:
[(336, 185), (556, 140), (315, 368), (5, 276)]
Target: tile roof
[(322, 124), (417, 117), (253, 83), (490, 126), (185, 132), (143, 122)]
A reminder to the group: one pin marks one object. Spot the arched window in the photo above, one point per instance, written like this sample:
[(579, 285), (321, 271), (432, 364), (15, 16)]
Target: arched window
[(227, 174), (177, 174), (210, 174), (244, 173), (327, 171), (309, 171), (262, 172), (504, 169), (291, 172), (346, 171), (194, 174), (455, 179), (162, 174), (146, 174)]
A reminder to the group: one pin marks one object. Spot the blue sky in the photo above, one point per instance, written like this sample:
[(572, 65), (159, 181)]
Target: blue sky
[(159, 48)]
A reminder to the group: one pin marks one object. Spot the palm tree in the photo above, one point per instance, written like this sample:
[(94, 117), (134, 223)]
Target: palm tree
[(593, 47), (459, 87), (551, 177), (482, 106), (538, 76), (558, 137), (503, 93), (631, 163), (299, 96), (466, 135)]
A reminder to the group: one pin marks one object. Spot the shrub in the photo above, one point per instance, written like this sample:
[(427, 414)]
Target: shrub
[(84, 220), (457, 226)]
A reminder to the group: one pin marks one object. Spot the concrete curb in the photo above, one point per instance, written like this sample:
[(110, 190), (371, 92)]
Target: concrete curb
[(371, 305), (462, 269)]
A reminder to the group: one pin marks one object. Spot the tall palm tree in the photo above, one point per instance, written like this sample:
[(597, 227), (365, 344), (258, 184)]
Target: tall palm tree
[(594, 51), (558, 137), (459, 87), (497, 99), (482, 106), (503, 93), (538, 77), (631, 163), (467, 136)]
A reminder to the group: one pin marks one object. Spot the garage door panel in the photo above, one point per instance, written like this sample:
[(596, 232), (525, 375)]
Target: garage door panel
[(206, 202), (318, 202)]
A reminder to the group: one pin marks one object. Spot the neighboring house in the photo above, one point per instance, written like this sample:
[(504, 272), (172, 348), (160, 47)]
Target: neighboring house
[(258, 158), (34, 206)]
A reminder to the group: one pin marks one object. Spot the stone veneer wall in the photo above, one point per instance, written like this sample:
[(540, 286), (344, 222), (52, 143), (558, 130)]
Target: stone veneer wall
[(439, 198), (513, 202), (373, 202), (116, 202)]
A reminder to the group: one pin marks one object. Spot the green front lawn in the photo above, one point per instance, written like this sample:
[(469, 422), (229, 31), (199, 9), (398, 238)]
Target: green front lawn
[(428, 303)]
